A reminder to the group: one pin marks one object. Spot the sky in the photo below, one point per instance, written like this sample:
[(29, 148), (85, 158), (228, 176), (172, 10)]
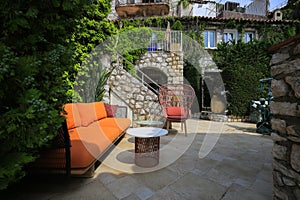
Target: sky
[(273, 3)]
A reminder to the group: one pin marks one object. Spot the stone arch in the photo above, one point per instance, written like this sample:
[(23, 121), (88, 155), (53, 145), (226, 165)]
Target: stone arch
[(168, 63)]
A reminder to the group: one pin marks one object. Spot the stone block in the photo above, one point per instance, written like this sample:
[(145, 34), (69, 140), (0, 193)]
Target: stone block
[(279, 194), (277, 138), (284, 108), (297, 193), (285, 68), (286, 171), (293, 130), (295, 157), (280, 152), (279, 88), (288, 181), (294, 82), (296, 50), (277, 179), (279, 57), (294, 139), (279, 125)]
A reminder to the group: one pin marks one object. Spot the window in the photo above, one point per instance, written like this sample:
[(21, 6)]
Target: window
[(229, 36), (210, 38), (249, 36)]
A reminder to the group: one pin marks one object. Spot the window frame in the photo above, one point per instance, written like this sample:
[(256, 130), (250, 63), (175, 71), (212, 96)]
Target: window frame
[(234, 32), (248, 32), (209, 46)]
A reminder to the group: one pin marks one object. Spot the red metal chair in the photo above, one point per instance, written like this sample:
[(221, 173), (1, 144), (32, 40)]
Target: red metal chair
[(176, 101)]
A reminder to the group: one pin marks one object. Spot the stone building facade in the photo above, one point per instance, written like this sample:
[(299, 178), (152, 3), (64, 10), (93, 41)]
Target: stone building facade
[(285, 69)]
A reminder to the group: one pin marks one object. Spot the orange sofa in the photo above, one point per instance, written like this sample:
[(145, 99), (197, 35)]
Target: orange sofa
[(89, 131)]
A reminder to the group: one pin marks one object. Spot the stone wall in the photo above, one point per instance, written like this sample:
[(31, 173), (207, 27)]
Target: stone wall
[(138, 97), (285, 69), (169, 63)]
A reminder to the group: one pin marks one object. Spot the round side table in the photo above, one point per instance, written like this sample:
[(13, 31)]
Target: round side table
[(147, 141), (150, 123)]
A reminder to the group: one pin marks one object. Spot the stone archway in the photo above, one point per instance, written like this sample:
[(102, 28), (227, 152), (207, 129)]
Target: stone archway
[(168, 63)]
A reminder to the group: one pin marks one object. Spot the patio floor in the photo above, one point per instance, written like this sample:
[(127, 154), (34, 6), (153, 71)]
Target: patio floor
[(215, 161)]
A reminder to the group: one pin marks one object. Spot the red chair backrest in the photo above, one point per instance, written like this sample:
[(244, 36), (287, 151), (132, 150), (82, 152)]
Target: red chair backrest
[(176, 95)]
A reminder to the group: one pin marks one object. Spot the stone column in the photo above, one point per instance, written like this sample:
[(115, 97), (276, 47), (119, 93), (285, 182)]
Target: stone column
[(285, 69)]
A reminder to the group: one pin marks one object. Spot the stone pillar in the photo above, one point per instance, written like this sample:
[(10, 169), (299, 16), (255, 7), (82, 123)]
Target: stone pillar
[(285, 69)]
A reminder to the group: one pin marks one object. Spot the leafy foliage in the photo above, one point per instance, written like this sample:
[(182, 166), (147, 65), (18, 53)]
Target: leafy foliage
[(242, 65), (37, 69)]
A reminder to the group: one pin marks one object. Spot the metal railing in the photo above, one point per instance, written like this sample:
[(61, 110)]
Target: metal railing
[(172, 42), (143, 76)]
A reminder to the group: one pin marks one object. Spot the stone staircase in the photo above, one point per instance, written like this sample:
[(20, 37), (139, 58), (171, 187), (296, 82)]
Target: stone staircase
[(128, 90)]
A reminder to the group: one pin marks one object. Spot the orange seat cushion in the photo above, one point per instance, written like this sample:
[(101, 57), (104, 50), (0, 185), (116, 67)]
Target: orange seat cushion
[(88, 143), (175, 111), (120, 123)]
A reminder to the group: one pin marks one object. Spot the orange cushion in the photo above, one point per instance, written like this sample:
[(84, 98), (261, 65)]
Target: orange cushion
[(87, 113), (100, 110), (72, 116), (87, 144), (120, 123), (175, 111)]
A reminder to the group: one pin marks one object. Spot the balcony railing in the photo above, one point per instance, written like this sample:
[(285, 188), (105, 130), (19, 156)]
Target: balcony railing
[(171, 42)]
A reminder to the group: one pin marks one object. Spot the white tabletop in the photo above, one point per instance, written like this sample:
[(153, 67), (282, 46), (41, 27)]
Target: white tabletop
[(146, 132), (149, 122)]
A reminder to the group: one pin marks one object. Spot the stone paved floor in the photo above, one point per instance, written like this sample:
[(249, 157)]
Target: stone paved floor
[(216, 160)]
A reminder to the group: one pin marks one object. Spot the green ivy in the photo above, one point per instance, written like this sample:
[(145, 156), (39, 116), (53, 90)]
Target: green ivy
[(42, 45), (242, 65)]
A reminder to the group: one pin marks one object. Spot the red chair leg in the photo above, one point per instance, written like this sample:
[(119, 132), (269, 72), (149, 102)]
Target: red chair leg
[(168, 125), (185, 129)]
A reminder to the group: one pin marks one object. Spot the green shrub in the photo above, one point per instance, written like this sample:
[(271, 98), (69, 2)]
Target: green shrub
[(37, 70), (242, 65)]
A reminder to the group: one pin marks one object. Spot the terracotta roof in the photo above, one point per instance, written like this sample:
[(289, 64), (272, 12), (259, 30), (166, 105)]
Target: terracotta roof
[(272, 21), (284, 43), (219, 19)]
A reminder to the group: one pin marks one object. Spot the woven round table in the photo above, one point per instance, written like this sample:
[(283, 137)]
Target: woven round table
[(147, 141)]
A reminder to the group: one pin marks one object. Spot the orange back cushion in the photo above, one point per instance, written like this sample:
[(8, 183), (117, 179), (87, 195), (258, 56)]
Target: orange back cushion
[(87, 113), (100, 110), (72, 116)]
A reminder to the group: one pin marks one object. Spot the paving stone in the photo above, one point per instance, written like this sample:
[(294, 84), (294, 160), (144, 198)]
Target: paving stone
[(123, 186), (92, 191), (166, 194), (262, 187), (191, 186), (144, 193), (237, 192), (157, 179)]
